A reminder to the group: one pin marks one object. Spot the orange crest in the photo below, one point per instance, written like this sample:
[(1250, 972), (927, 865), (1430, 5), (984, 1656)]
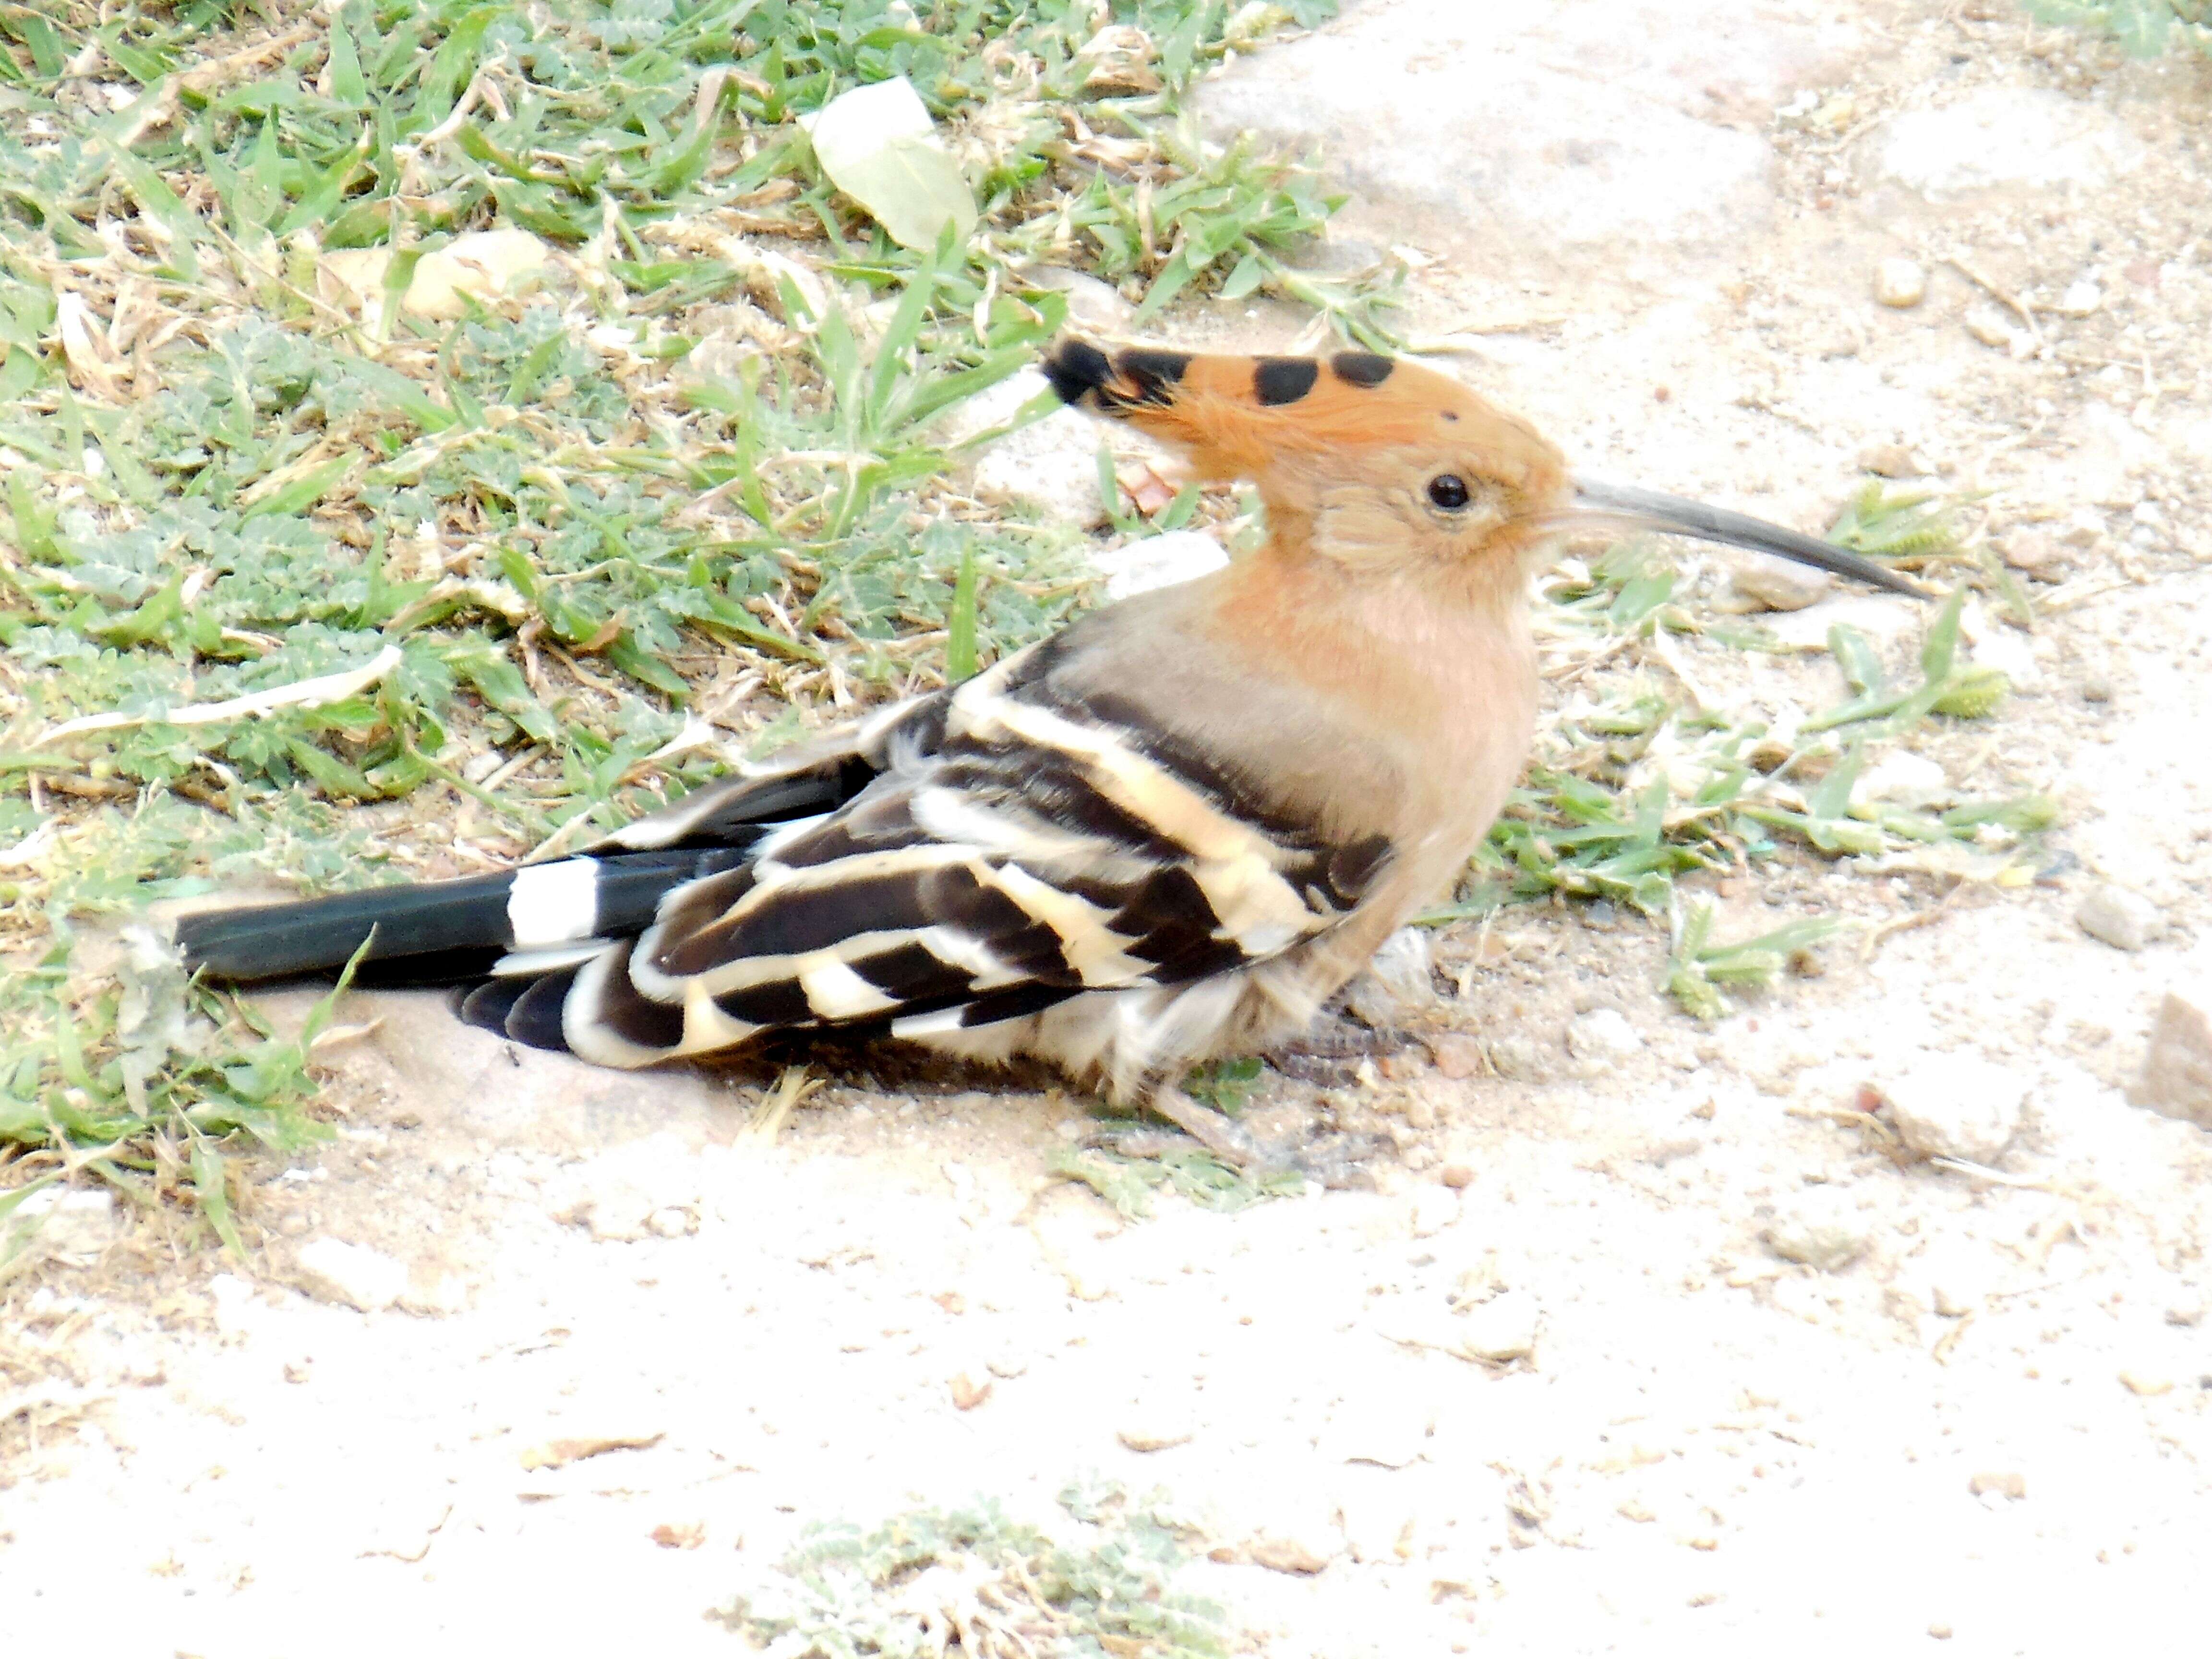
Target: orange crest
[(1244, 416)]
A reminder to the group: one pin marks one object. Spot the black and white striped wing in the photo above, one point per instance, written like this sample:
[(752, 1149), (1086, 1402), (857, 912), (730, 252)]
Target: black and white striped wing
[(1017, 852)]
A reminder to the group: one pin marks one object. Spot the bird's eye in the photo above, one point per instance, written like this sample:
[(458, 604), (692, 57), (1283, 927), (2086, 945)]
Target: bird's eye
[(1448, 491)]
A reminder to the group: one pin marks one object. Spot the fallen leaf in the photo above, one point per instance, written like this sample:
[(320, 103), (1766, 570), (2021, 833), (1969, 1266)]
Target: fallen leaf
[(878, 145)]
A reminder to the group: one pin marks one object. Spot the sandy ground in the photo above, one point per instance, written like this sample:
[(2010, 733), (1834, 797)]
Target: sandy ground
[(1987, 1425)]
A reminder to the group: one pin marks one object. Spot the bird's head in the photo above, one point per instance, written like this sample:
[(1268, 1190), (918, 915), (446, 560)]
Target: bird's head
[(1380, 463)]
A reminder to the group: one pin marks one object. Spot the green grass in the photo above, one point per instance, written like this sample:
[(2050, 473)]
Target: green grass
[(897, 1591), (1636, 785), (571, 568), (2143, 29)]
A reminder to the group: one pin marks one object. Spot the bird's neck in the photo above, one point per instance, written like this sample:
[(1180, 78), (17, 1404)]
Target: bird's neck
[(1407, 641)]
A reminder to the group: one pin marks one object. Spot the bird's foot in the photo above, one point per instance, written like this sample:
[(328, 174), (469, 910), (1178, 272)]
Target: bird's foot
[(1329, 1055), (1335, 1159), (1228, 1141)]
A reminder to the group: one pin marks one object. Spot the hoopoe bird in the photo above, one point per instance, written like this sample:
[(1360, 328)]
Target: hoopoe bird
[(1168, 833)]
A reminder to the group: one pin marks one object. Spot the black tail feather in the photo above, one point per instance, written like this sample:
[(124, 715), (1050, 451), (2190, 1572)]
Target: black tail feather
[(535, 1018), (273, 941), (440, 932)]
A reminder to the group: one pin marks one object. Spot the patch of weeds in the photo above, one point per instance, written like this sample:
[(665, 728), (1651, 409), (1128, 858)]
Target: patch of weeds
[(148, 1083), (1947, 686), (1227, 1085), (1909, 528), (1697, 968), (970, 1578), (1641, 778), (2144, 29), (1129, 1182)]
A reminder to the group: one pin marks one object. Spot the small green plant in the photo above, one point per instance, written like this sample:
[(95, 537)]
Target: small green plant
[(1227, 1085), (971, 1580), (1129, 1182), (2143, 29), (1906, 527), (1697, 968), (1946, 686)]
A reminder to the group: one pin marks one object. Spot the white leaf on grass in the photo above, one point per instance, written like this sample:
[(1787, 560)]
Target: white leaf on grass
[(878, 146), (484, 264)]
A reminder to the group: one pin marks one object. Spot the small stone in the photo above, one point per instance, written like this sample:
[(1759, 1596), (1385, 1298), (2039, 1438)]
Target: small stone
[(1397, 983), (1899, 282), (1905, 779), (1956, 1106), (1287, 1555), (2148, 1384), (1889, 461), (2177, 1073), (2124, 920), (1156, 1436), (967, 1394), (1518, 1059), (1826, 1246), (2085, 527), (2036, 553), (1951, 1303), (1636, 1509), (2005, 1483), (1778, 584), (332, 1270), (299, 1370), (1499, 1330), (2097, 688), (1989, 325), (2082, 298), (1457, 1175), (435, 1297), (72, 1225), (1940, 1631), (1455, 1055), (1007, 1365), (672, 1221), (1093, 306), (1601, 1035), (680, 1534), (2187, 1314)]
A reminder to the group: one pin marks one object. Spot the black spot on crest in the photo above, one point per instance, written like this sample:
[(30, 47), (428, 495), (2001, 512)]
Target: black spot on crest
[(1362, 367), (1152, 372), (1283, 379), (1075, 367)]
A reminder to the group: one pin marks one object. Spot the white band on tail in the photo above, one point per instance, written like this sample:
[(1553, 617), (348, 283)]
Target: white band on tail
[(554, 904)]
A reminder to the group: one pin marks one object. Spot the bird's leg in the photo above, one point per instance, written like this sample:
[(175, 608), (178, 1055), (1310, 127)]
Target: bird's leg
[(1230, 1142)]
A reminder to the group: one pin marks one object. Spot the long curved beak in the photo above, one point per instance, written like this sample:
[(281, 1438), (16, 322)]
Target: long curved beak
[(1646, 509)]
